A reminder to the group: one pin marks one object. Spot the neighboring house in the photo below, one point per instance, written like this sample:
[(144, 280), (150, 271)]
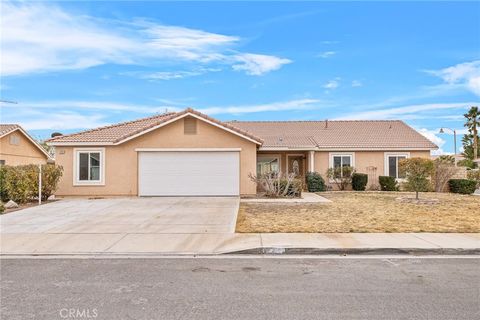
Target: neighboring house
[(17, 147), (189, 153)]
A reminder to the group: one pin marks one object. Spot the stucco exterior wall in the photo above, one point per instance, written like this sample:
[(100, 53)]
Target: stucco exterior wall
[(363, 160), (24, 153), (121, 162)]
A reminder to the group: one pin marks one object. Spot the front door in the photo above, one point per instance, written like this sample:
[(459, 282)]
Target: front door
[(295, 165)]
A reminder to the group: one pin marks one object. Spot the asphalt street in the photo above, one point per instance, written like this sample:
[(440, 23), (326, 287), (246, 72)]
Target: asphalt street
[(241, 288)]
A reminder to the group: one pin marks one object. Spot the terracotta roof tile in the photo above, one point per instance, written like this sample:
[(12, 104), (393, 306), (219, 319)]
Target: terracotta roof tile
[(118, 132), (337, 134), (7, 128)]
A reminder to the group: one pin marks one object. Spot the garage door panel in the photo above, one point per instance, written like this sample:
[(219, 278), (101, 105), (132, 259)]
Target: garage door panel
[(188, 173)]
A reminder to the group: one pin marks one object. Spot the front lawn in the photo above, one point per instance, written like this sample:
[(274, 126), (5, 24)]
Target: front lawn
[(364, 212)]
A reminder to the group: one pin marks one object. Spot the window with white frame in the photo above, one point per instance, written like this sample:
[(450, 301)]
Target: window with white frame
[(391, 165), (89, 166), (268, 164), (340, 161)]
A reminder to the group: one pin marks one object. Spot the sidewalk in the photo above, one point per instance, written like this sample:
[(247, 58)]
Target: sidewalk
[(266, 243)]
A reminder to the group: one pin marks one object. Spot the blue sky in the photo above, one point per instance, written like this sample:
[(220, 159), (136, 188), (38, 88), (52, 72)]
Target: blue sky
[(77, 65)]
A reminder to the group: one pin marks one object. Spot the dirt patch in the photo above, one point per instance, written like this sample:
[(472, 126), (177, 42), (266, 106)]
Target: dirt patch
[(365, 212)]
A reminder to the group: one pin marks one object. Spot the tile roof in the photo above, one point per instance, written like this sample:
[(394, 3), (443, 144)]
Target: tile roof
[(116, 133), (359, 134), (275, 134), (7, 128)]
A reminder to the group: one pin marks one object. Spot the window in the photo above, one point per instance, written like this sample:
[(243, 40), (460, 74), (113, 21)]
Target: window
[(341, 160), (89, 166), (189, 125), (268, 164), (14, 139), (391, 165)]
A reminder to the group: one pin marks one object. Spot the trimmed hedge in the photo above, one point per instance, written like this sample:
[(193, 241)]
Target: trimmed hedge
[(315, 182), (20, 183), (462, 186), (359, 181), (388, 183)]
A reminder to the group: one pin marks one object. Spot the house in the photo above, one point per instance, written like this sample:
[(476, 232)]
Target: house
[(189, 153), (17, 147)]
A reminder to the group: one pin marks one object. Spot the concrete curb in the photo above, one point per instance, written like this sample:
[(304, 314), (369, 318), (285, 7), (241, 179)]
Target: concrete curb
[(358, 251)]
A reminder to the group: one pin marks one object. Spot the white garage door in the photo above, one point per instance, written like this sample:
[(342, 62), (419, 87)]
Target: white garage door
[(187, 173)]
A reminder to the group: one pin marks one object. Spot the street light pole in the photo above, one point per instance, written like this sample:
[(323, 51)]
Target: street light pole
[(442, 130)]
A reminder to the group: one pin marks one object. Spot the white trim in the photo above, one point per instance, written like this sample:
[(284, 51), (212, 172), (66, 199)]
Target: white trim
[(76, 152), (273, 155), (49, 157), (296, 155), (70, 144), (333, 154), (311, 161), (386, 164), (188, 149), (287, 149)]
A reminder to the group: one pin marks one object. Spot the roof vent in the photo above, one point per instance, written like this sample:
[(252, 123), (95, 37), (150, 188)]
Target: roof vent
[(280, 139), (56, 134), (326, 123)]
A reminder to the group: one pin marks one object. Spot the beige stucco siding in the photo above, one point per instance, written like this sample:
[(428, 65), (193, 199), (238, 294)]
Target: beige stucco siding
[(24, 153), (121, 162), (363, 160)]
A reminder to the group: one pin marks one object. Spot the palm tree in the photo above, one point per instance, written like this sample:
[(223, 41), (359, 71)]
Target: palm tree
[(473, 123)]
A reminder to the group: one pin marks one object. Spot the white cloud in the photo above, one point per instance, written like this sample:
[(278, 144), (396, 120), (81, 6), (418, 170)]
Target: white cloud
[(301, 104), (332, 84), (432, 135), (258, 64), (357, 83), (405, 112), (92, 114), (40, 37), (171, 75), (465, 74), (326, 54)]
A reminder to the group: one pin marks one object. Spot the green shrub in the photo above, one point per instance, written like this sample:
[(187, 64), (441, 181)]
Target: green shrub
[(341, 176), (467, 163), (315, 182), (474, 175), (3, 191), (388, 183), (462, 186), (359, 181), (20, 183)]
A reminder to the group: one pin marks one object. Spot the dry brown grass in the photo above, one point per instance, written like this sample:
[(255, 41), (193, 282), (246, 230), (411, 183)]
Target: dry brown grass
[(364, 212)]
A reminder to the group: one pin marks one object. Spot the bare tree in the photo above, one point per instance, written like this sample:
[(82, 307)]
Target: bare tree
[(276, 184)]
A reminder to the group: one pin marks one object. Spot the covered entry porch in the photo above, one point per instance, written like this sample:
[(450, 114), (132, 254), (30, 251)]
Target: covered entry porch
[(293, 161)]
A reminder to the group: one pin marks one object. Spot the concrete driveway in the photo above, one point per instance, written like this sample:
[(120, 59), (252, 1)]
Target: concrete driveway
[(172, 215)]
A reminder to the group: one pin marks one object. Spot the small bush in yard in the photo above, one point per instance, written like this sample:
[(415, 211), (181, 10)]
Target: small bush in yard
[(462, 186), (359, 181), (294, 187), (341, 176), (418, 172), (474, 175), (315, 182), (278, 185), (388, 183), (467, 163)]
